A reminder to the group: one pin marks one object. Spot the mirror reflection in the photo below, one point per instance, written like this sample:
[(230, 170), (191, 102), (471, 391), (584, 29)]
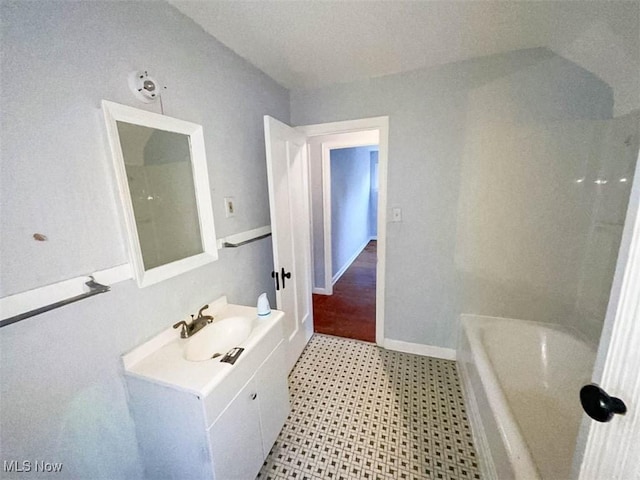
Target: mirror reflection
[(160, 178)]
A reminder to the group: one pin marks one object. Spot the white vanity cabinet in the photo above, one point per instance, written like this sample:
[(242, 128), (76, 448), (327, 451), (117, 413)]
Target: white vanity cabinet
[(209, 420), (237, 450), (262, 405)]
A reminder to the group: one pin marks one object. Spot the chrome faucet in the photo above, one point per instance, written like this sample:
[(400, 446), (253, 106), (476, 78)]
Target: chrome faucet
[(197, 324)]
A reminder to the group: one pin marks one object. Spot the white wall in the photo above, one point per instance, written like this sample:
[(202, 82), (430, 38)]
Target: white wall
[(606, 42), (62, 389), (350, 192), (614, 161), (430, 113), (537, 238), (536, 234)]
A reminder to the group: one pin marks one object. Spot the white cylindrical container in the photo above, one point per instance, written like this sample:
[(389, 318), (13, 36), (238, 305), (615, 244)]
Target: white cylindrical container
[(264, 308)]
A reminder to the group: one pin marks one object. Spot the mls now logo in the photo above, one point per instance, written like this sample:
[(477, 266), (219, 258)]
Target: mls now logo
[(14, 466)]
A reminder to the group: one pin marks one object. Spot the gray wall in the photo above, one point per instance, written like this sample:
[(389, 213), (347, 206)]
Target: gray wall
[(430, 113), (350, 193), (373, 196), (63, 395)]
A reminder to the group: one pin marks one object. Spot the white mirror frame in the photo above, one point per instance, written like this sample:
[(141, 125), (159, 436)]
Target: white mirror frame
[(114, 112)]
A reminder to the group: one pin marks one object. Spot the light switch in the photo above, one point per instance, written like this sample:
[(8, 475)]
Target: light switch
[(229, 207), (396, 214)]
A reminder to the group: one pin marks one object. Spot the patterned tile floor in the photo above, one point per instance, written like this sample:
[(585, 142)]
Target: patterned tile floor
[(362, 412)]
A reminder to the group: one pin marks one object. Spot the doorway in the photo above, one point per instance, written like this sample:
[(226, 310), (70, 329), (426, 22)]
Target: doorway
[(291, 188), (347, 165), (350, 311)]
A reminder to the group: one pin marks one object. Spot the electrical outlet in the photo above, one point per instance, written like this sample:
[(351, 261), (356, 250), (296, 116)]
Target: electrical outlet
[(229, 207)]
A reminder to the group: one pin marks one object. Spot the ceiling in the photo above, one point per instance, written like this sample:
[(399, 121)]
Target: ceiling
[(308, 44)]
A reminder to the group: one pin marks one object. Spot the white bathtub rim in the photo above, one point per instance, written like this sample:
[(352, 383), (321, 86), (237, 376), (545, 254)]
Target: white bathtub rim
[(480, 441), (565, 329), (512, 438)]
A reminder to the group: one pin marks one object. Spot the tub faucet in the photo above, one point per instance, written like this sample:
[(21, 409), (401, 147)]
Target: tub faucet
[(197, 324)]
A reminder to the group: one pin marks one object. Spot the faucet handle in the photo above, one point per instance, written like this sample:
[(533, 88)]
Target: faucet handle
[(201, 310), (183, 331)]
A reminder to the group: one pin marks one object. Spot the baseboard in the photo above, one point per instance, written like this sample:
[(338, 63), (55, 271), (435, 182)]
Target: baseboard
[(337, 276), (320, 291), (419, 349)]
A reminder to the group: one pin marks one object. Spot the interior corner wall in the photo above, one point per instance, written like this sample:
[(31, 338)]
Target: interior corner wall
[(429, 114), (62, 389)]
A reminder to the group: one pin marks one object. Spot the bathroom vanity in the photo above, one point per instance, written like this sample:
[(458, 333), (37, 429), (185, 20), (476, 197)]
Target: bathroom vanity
[(209, 419)]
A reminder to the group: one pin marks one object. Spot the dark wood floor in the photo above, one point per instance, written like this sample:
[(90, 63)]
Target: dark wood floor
[(351, 311)]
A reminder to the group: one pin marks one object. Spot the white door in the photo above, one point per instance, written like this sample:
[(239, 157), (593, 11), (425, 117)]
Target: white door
[(612, 450), (287, 172)]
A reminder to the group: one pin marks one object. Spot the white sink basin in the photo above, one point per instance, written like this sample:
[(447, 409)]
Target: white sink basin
[(218, 338)]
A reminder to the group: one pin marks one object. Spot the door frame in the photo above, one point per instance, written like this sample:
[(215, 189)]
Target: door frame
[(381, 124), (605, 450), (341, 140)]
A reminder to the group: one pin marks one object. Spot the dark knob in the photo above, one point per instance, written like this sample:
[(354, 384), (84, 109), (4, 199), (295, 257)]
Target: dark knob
[(599, 405), (285, 274)]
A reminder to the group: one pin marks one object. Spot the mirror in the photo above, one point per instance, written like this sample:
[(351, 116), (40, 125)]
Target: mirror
[(161, 169)]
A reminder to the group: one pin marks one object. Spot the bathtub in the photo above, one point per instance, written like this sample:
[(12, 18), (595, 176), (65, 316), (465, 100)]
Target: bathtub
[(521, 381)]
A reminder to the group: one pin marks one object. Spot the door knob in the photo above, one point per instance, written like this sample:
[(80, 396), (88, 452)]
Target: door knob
[(599, 405), (284, 275)]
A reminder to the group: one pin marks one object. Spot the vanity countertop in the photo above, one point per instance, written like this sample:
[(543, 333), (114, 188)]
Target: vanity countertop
[(161, 359)]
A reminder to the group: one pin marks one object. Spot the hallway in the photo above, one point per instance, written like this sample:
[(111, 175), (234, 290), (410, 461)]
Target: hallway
[(351, 311)]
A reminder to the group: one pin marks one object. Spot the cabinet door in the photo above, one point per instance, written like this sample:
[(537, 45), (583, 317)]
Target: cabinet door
[(273, 396), (235, 437)]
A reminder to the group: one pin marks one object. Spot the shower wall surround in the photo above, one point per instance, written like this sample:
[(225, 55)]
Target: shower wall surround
[(540, 218), (62, 389)]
